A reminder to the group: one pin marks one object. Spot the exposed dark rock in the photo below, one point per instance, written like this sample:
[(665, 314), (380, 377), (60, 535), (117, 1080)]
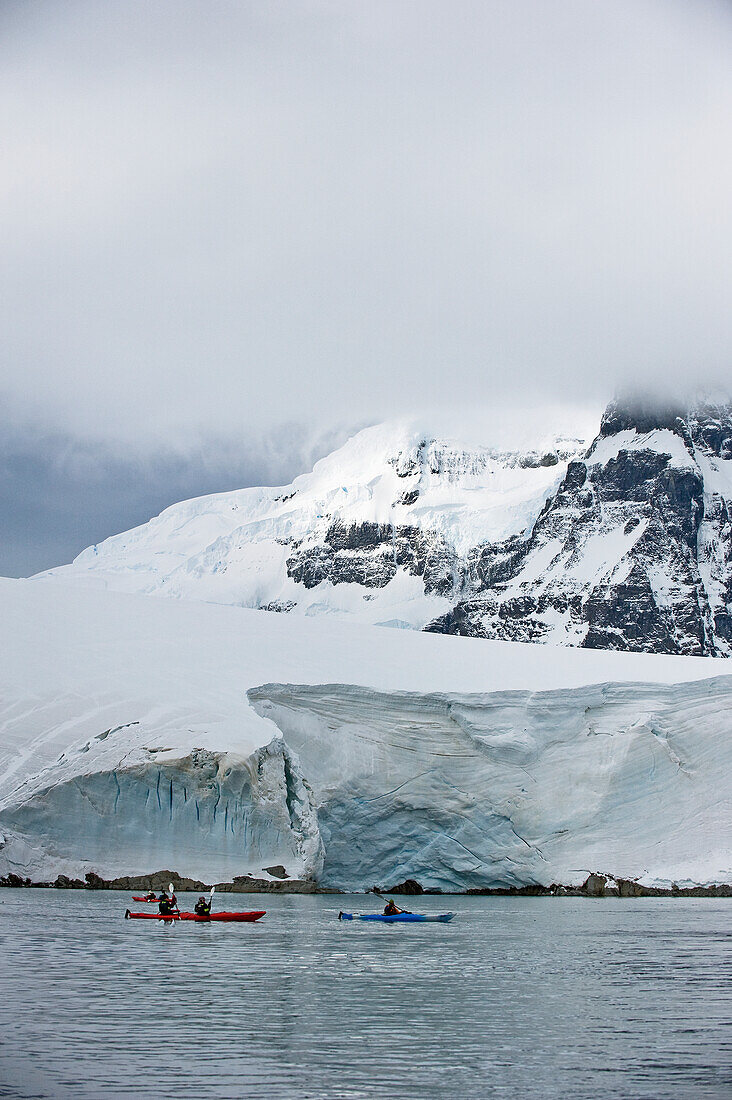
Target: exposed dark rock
[(641, 415), (278, 871), (282, 607), (594, 886), (629, 889), (160, 880), (247, 884), (157, 881), (369, 554), (14, 880), (409, 886)]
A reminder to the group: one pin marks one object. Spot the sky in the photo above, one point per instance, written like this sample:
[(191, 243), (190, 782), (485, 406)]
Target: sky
[(232, 232)]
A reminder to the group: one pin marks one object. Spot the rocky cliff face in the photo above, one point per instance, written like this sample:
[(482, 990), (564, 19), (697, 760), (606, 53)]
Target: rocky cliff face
[(632, 552), (370, 554)]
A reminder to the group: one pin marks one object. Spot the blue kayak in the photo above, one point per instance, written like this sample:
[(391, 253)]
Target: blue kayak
[(398, 918)]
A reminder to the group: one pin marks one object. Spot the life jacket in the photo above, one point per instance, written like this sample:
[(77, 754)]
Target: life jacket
[(202, 908), (165, 905)]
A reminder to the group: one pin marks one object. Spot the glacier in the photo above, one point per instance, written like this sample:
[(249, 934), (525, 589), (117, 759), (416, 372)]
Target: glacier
[(138, 734)]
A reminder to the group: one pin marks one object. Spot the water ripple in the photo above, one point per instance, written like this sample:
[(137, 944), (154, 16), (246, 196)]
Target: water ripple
[(529, 997)]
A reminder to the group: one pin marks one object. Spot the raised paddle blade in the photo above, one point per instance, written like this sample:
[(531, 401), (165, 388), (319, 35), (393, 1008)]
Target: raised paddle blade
[(170, 888)]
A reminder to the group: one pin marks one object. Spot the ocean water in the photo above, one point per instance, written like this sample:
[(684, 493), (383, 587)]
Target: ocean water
[(517, 997)]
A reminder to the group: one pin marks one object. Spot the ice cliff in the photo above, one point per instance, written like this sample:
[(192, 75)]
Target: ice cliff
[(468, 790), (138, 734)]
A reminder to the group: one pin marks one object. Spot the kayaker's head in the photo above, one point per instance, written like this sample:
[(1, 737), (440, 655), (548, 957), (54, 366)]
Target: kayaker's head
[(202, 898)]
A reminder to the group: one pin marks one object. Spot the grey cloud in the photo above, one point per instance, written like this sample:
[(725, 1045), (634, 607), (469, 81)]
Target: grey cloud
[(236, 214), (60, 493)]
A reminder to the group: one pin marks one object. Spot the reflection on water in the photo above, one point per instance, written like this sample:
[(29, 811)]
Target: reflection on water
[(517, 997)]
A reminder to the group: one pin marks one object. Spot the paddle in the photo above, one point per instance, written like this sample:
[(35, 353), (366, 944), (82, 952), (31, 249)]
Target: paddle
[(172, 894), (384, 898), (210, 896)]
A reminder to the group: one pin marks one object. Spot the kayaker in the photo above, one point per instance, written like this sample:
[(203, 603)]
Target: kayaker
[(151, 896), (167, 905), (390, 909), (202, 908)]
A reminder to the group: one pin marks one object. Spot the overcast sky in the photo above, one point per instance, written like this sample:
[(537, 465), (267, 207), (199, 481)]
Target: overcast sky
[(219, 219)]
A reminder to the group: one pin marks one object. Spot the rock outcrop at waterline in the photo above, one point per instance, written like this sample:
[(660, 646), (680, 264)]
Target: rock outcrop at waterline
[(595, 886), (160, 880)]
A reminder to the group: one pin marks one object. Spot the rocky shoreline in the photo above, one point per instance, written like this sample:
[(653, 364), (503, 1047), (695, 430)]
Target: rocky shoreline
[(594, 886), (241, 884)]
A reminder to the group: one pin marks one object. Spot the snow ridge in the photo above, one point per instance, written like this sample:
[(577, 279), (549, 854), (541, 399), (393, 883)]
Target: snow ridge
[(379, 531)]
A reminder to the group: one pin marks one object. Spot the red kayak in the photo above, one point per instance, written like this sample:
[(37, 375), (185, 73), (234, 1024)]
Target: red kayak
[(194, 916), (148, 900)]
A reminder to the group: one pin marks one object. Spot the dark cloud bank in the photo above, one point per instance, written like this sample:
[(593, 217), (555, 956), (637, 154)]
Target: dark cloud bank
[(59, 493)]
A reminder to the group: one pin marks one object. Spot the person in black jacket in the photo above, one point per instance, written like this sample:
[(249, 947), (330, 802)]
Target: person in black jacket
[(167, 905), (202, 907)]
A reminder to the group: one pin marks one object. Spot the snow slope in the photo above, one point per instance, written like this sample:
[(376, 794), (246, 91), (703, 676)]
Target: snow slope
[(138, 734), (274, 547)]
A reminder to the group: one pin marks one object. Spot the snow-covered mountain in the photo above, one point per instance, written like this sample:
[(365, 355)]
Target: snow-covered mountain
[(380, 531), (138, 734), (625, 544)]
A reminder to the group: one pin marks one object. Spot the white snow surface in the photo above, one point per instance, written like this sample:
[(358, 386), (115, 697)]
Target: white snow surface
[(139, 734), (233, 547), (661, 440)]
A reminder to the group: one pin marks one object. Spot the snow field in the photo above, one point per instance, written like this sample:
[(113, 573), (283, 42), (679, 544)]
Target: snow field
[(138, 734)]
